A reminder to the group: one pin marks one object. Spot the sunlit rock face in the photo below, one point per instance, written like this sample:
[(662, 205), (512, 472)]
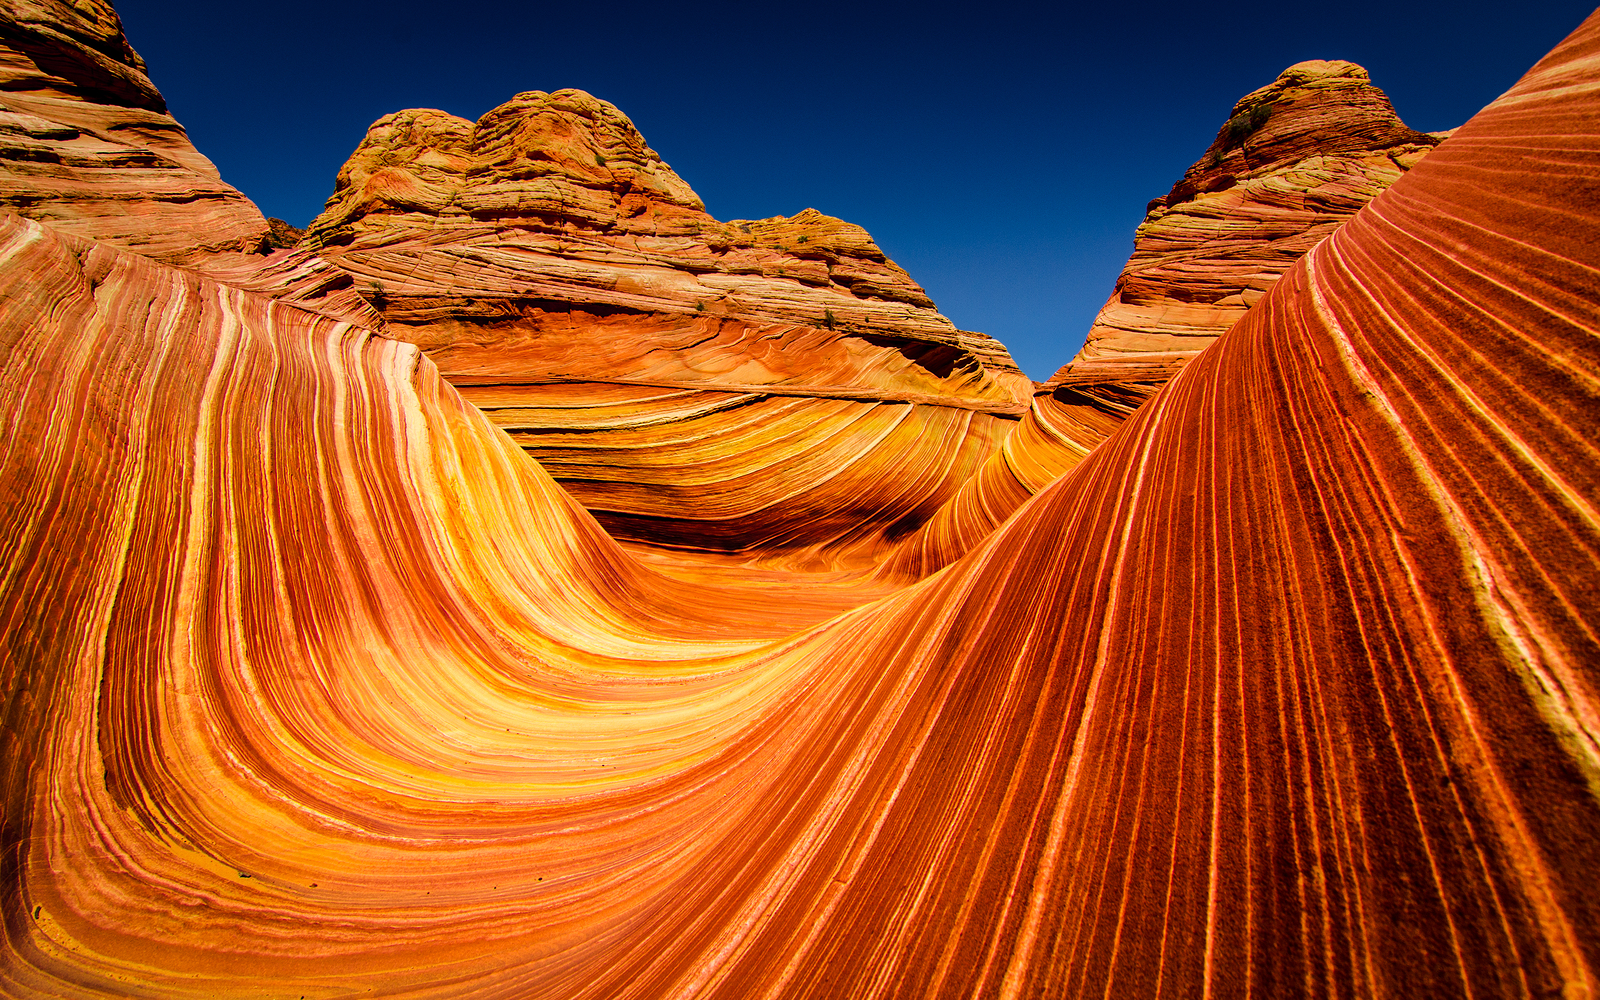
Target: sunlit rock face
[(87, 145), (1293, 162), (744, 386), (317, 684)]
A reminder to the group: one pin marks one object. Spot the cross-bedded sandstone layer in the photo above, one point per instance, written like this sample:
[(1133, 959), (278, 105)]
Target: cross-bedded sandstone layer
[(1293, 162), (316, 684), (87, 145), (742, 385)]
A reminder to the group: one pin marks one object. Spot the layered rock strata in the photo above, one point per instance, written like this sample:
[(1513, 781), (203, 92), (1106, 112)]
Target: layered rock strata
[(1293, 162), (317, 685), (735, 385), (87, 145)]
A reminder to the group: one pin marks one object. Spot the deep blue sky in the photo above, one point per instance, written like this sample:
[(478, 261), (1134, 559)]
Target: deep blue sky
[(1000, 152)]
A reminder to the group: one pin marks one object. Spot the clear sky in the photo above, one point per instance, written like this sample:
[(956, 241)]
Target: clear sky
[(1001, 152)]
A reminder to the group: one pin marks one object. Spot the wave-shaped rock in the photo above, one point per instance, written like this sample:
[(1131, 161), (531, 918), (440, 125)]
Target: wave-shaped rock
[(317, 684)]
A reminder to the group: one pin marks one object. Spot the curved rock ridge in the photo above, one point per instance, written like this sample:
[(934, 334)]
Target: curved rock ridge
[(1061, 429), (87, 145), (696, 383), (1294, 161), (317, 685)]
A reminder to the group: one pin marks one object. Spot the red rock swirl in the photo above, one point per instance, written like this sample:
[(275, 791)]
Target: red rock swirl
[(317, 685)]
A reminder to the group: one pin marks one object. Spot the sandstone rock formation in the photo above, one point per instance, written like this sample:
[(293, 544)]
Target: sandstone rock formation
[(87, 145), (282, 236), (316, 684), (1293, 162), (742, 386)]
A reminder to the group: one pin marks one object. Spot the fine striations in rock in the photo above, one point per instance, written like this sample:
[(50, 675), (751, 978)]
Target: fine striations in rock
[(1293, 162), (316, 684), (742, 385), (87, 145)]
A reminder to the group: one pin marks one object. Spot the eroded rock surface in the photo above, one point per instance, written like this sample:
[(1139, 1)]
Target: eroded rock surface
[(87, 145), (736, 385), (315, 684), (1294, 161)]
